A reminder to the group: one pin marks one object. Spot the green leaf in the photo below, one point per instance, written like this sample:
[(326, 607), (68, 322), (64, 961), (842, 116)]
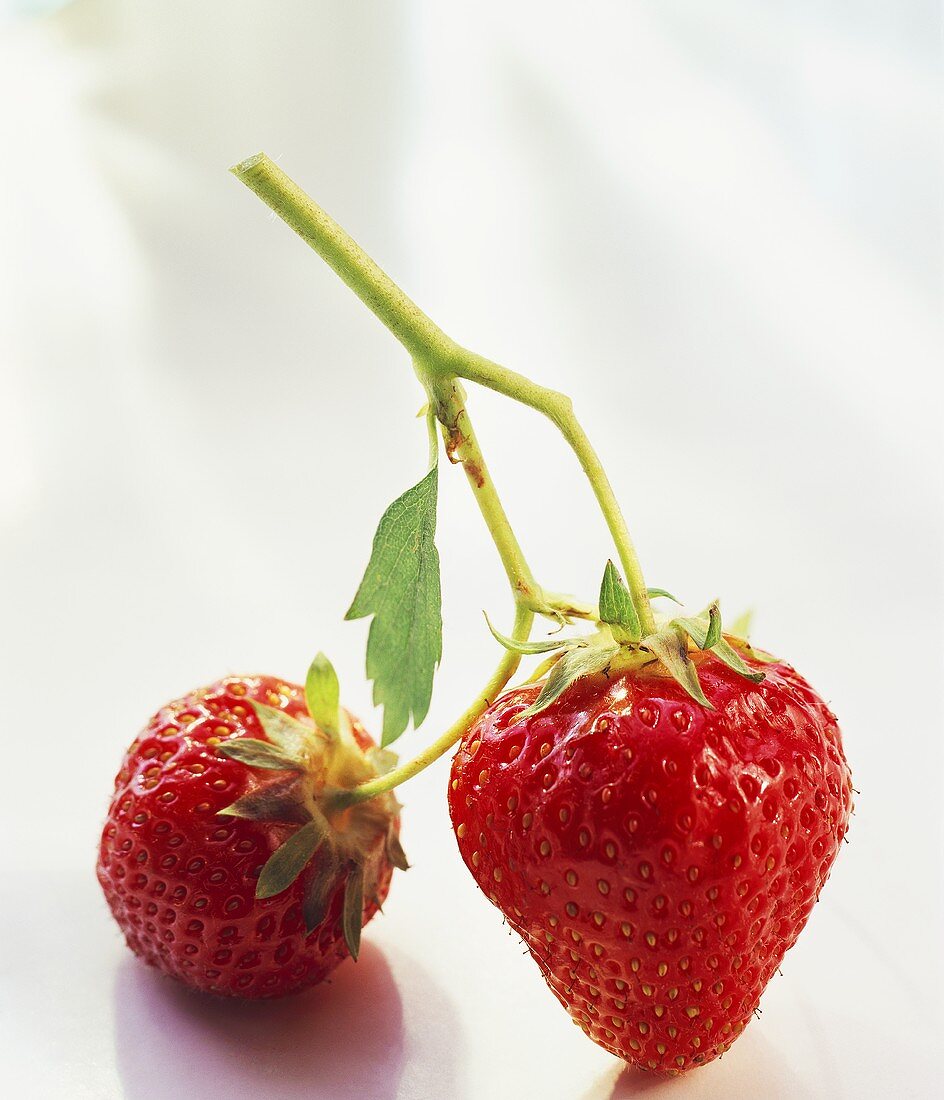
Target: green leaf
[(258, 754), (655, 593), (572, 666), (741, 627), (616, 607), (320, 890), (286, 862), (281, 800), (290, 735), (671, 647), (713, 633), (401, 590), (353, 911), (323, 694), (528, 648)]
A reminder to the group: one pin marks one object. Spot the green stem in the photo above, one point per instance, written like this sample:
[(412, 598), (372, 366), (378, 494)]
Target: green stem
[(415, 331), (558, 408), (507, 667), (439, 360), (439, 363)]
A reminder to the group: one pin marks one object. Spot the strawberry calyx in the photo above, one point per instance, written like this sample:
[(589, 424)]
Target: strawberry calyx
[(619, 643), (319, 761)]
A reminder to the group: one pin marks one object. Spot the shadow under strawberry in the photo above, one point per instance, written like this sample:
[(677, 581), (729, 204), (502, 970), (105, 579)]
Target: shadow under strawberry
[(342, 1039)]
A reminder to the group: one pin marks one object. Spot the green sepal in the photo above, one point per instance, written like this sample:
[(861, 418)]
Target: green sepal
[(728, 655), (382, 760), (320, 891), (713, 634), (574, 665), (394, 851), (258, 754), (741, 627), (530, 648), (323, 695), (616, 607), (287, 861), (284, 731), (704, 632), (353, 910), (655, 593), (698, 630), (671, 647), (281, 800), (401, 590)]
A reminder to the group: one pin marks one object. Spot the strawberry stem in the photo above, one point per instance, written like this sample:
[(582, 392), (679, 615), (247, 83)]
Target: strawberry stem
[(439, 361), (507, 667), (439, 364)]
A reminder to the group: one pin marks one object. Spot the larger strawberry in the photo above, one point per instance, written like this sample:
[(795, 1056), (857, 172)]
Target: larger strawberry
[(657, 857), (657, 816), (223, 857)]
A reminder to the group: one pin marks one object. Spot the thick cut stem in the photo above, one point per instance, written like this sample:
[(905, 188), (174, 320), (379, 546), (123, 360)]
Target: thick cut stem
[(415, 331)]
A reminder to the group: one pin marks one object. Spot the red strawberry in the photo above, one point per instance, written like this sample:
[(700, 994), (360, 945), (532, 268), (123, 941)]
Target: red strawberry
[(213, 866), (657, 857)]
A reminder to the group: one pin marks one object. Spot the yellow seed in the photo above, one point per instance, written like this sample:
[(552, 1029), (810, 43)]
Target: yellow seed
[(461, 831)]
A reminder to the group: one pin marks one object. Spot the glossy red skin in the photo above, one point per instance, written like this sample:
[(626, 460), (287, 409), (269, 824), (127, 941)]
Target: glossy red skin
[(181, 881), (657, 858)]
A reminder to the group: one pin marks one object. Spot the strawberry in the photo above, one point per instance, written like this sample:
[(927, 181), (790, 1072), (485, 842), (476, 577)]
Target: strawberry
[(222, 858), (657, 856)]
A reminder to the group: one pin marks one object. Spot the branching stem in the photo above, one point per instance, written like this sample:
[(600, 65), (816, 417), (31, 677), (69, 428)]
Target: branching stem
[(439, 364)]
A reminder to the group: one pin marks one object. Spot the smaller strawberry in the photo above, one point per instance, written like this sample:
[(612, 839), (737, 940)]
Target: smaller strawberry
[(225, 858)]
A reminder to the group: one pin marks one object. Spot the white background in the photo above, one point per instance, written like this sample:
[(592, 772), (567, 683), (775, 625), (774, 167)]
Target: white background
[(717, 226)]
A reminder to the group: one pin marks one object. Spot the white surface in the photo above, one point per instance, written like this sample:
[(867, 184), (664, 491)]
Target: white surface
[(716, 226)]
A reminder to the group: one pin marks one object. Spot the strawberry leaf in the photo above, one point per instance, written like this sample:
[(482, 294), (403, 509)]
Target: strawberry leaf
[(616, 607), (401, 590), (323, 695), (258, 754), (671, 647), (286, 862), (572, 666), (285, 732), (352, 913), (528, 648), (281, 800)]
